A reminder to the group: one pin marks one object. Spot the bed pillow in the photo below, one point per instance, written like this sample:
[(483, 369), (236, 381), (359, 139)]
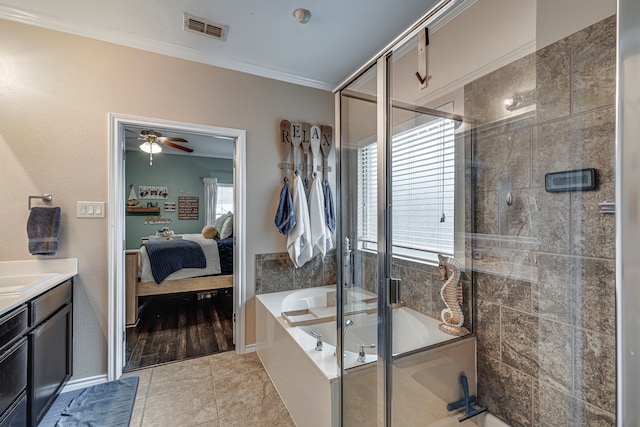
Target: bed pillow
[(209, 232), (220, 221), (227, 228)]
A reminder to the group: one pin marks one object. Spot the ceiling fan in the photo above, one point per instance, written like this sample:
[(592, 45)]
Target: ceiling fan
[(152, 140)]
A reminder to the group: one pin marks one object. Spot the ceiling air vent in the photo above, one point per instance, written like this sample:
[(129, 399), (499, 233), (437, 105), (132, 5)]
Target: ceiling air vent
[(207, 28)]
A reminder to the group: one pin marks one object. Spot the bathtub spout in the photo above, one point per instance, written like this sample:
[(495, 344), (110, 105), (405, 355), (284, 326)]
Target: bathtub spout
[(318, 338)]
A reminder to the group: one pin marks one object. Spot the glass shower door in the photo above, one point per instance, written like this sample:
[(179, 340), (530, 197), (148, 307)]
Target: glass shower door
[(531, 225), (358, 317), (397, 206)]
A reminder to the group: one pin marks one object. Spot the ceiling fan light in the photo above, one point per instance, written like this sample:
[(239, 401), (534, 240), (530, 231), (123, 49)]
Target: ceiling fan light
[(150, 147)]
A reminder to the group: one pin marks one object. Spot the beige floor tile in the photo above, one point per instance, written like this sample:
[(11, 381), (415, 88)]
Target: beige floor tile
[(230, 363), (136, 415), (181, 409), (181, 377), (250, 399), (190, 368), (144, 376), (222, 390)]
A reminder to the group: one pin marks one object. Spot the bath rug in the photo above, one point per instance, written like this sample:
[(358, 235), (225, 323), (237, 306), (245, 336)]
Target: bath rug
[(108, 404)]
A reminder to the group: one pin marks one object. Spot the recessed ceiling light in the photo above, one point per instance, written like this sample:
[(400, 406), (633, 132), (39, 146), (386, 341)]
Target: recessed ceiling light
[(302, 15)]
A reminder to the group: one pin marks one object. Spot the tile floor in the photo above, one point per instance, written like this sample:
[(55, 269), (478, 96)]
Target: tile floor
[(222, 390)]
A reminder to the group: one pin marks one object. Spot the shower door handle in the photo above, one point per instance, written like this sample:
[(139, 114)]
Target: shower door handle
[(394, 290)]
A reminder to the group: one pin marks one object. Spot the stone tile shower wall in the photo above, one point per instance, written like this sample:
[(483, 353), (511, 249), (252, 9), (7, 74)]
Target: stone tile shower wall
[(544, 266), (420, 286), (275, 272), (420, 282)]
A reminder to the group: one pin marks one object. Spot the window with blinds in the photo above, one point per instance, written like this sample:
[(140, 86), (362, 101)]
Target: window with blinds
[(224, 201), (422, 191)]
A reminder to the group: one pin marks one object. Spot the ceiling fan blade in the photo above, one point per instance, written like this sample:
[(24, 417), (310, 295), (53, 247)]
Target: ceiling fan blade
[(135, 133), (179, 147), (166, 138)]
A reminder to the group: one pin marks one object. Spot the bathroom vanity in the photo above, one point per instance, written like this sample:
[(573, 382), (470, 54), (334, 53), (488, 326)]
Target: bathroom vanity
[(36, 337)]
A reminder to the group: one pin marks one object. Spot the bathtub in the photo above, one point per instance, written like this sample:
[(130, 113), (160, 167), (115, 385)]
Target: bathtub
[(309, 381)]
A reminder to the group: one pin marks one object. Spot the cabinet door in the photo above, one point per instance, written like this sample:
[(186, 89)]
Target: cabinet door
[(17, 415), (50, 361), (13, 374)]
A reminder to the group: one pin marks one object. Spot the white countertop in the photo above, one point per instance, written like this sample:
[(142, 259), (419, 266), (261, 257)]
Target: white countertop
[(63, 268)]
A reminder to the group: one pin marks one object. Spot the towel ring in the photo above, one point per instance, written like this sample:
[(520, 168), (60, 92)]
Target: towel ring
[(44, 198)]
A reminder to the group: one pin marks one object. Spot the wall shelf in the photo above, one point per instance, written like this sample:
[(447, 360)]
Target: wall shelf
[(141, 209)]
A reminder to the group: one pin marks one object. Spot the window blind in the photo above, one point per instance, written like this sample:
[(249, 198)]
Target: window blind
[(224, 201), (422, 191)]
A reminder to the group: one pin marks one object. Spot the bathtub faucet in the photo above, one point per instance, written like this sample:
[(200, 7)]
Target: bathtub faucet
[(361, 355), (318, 338)]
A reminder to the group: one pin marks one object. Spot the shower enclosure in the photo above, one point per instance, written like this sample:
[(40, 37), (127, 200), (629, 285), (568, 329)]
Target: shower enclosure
[(476, 192)]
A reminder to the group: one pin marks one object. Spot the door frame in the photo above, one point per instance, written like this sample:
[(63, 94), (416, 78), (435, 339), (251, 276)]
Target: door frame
[(116, 210)]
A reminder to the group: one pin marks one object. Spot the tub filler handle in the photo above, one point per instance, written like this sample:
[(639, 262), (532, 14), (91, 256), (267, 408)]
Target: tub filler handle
[(318, 337), (361, 355)]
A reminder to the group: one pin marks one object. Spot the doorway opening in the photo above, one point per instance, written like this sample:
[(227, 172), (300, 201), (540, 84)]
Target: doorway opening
[(224, 289)]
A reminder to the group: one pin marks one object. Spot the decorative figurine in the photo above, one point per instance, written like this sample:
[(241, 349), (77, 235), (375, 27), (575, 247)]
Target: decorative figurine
[(451, 293)]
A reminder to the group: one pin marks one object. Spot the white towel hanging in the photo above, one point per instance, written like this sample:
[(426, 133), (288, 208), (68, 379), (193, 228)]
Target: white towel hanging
[(317, 218), (299, 238)]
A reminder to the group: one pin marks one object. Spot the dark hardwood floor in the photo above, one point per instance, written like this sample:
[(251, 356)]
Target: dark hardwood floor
[(178, 327)]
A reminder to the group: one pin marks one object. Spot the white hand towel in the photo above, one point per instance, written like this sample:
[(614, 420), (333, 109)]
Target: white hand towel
[(318, 218), (299, 238)]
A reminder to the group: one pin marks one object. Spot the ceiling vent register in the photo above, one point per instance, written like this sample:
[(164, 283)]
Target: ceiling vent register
[(207, 28)]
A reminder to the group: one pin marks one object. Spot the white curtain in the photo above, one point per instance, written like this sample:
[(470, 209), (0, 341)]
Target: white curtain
[(210, 199)]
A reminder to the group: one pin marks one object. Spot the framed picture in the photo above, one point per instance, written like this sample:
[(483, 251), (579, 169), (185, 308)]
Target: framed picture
[(152, 192), (188, 207)]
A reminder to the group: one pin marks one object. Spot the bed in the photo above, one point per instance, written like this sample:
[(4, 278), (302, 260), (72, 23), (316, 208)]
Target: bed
[(139, 280)]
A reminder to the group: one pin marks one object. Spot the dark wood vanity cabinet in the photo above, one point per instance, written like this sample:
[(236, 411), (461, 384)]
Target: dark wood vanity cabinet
[(50, 348), (14, 357), (36, 344)]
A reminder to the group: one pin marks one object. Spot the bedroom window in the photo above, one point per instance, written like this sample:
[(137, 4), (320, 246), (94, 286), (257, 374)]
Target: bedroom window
[(422, 192), (224, 201)]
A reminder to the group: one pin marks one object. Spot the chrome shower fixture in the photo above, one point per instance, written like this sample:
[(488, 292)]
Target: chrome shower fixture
[(520, 100)]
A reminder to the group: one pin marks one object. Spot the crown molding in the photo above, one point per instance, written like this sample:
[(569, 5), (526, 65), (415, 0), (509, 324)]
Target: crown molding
[(156, 46)]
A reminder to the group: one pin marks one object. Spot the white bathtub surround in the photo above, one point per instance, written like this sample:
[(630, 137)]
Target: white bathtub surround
[(411, 331), (308, 380)]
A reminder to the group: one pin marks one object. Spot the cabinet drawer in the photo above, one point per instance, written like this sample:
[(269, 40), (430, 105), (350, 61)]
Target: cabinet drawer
[(16, 416), (12, 326), (48, 303), (13, 374)]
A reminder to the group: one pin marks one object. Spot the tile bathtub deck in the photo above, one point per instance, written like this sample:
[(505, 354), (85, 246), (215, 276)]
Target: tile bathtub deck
[(221, 390)]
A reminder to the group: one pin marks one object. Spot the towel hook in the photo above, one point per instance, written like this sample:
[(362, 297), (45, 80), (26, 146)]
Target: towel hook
[(44, 198)]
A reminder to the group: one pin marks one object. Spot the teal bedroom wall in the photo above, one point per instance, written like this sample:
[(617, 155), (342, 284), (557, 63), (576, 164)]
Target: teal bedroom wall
[(181, 175)]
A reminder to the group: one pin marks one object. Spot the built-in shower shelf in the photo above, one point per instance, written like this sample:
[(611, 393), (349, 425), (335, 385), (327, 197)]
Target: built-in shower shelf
[(315, 315)]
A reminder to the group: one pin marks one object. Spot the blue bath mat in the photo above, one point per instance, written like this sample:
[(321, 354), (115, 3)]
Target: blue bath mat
[(109, 405)]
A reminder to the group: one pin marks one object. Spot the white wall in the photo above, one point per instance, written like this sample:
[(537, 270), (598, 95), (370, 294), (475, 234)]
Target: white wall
[(56, 91)]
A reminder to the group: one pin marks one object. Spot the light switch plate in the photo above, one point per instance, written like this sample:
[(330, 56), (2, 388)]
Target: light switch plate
[(90, 210)]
